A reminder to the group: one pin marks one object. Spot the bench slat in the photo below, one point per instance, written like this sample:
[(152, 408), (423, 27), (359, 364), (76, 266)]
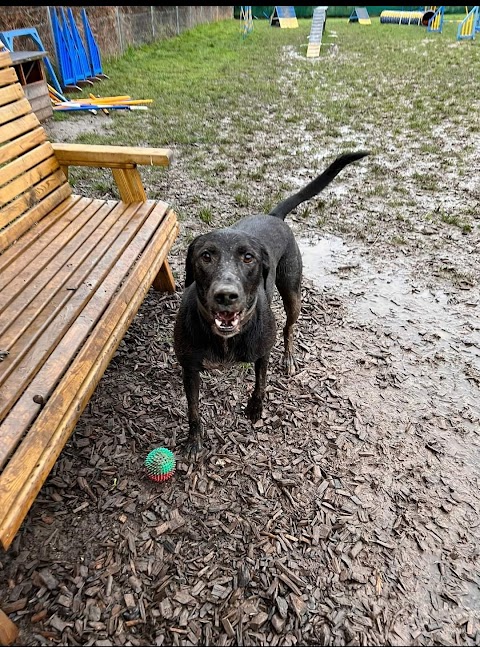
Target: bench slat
[(10, 93), (25, 185), (7, 77), (22, 144), (24, 476), (25, 163), (15, 110), (11, 233), (18, 127), (5, 59), (28, 356), (38, 272), (33, 197), (34, 366), (37, 238)]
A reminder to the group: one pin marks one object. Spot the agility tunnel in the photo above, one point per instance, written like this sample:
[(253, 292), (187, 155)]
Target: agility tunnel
[(406, 17)]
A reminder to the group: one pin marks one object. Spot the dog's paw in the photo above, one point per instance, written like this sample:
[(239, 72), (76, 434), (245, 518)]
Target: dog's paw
[(289, 364), (194, 444), (193, 450), (254, 408)]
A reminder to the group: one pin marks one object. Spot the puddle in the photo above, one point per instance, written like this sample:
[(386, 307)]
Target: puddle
[(324, 257), (431, 334), (395, 299), (419, 315)]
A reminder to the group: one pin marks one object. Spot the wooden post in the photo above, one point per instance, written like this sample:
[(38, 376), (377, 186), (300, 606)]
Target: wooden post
[(119, 28), (50, 26), (8, 630)]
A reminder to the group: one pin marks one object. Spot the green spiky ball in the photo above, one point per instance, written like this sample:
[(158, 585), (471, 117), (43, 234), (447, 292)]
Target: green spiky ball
[(160, 464)]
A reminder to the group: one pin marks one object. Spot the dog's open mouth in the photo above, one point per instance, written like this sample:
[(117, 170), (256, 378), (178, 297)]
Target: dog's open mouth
[(227, 323)]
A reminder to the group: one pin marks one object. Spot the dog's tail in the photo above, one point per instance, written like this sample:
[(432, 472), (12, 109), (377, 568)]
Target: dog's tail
[(316, 185)]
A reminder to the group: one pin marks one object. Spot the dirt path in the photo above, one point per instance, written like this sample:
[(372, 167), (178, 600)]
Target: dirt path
[(348, 515)]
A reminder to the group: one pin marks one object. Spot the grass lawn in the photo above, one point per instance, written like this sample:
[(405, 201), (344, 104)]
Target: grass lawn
[(402, 73), (217, 96)]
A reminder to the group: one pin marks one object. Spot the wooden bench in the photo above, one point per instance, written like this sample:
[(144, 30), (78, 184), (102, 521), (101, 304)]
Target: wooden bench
[(73, 273)]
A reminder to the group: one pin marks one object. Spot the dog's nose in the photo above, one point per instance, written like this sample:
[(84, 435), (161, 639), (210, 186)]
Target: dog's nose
[(225, 295)]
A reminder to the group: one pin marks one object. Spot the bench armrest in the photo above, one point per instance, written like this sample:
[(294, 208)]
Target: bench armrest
[(122, 160), (110, 156)]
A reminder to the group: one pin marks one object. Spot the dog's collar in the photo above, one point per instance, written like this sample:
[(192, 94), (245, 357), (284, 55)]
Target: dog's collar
[(207, 315)]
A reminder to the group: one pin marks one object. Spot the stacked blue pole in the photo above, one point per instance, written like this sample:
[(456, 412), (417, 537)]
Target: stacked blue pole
[(92, 48), (79, 63), (64, 58), (82, 58)]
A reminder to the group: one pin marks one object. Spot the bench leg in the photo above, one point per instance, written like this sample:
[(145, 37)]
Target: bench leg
[(164, 281), (8, 630), (129, 184)]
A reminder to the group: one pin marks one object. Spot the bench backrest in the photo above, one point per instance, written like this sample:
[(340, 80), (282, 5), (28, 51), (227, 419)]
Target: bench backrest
[(31, 181)]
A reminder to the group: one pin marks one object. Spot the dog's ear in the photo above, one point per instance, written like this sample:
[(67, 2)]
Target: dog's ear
[(265, 266), (189, 274), (189, 269)]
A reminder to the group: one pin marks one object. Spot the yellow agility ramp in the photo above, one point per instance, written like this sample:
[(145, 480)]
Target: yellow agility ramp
[(360, 15), (284, 17)]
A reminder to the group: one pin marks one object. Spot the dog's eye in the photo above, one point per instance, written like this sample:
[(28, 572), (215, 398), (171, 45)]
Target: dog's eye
[(248, 258), (206, 256)]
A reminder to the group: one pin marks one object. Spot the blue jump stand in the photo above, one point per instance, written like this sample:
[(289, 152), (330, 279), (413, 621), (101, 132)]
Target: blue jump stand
[(7, 39)]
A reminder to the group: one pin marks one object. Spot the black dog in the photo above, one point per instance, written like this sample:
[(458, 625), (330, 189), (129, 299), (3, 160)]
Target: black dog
[(225, 314)]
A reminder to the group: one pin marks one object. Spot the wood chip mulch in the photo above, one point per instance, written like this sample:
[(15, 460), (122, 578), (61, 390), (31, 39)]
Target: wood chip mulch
[(281, 534)]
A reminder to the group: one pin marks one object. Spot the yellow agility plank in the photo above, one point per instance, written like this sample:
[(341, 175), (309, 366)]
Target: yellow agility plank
[(112, 100), (316, 32), (92, 97), (313, 51)]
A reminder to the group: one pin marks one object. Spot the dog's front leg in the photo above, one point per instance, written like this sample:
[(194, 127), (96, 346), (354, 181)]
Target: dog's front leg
[(191, 383), (255, 404)]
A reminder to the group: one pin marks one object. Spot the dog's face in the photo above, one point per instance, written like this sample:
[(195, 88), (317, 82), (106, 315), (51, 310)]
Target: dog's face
[(228, 269)]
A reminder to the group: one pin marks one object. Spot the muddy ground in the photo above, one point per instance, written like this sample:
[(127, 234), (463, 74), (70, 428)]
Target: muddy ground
[(350, 513)]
